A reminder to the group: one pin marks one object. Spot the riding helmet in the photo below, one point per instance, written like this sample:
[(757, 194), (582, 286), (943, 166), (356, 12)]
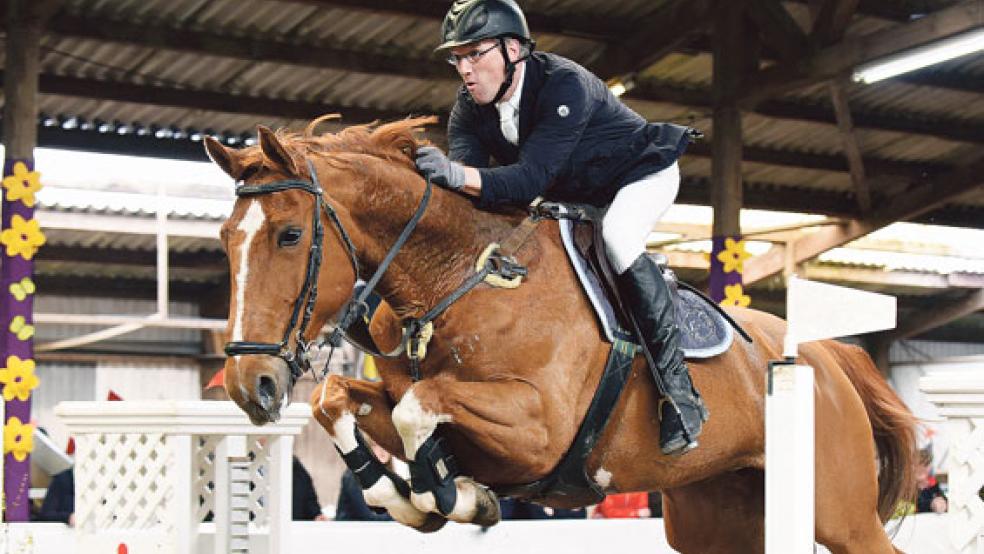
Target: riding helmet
[(473, 20)]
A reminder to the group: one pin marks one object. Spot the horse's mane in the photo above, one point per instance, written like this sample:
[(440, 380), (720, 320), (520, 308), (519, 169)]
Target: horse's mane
[(393, 142)]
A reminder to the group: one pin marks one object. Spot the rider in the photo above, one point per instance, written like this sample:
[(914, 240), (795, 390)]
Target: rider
[(555, 129)]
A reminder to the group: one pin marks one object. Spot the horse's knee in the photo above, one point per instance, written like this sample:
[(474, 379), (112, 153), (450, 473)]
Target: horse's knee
[(414, 422), (329, 401)]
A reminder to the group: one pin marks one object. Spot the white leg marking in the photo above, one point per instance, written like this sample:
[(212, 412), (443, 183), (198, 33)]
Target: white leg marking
[(603, 478), (343, 433), (383, 493), (250, 225), (414, 424)]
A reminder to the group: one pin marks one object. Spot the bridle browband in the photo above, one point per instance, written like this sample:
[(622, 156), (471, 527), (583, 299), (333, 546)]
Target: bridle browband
[(297, 360)]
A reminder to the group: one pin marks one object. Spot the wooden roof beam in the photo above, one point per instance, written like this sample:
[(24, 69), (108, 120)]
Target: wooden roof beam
[(659, 34), (590, 26), (349, 60), (852, 149), (832, 21), (903, 122), (841, 58), (778, 29), (941, 314), (924, 198), (930, 77), (243, 47)]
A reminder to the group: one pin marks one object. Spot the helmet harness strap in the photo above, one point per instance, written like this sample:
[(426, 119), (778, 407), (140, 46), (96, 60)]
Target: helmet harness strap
[(510, 67)]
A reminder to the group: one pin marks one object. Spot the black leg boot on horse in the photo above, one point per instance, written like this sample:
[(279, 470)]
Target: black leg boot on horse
[(648, 299)]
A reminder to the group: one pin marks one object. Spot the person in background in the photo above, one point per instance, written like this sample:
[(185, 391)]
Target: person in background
[(626, 505), (512, 508), (351, 503), (931, 497), (304, 501), (59, 501)]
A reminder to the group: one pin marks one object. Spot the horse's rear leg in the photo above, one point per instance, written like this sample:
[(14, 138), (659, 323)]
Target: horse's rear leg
[(503, 420), (720, 515), (340, 405)]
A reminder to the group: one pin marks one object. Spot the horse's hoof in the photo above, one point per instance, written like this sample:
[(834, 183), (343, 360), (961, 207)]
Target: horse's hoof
[(487, 511), (434, 522)]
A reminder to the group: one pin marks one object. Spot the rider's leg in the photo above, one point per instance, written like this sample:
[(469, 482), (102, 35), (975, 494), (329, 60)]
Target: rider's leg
[(631, 217), (343, 406), (504, 419)]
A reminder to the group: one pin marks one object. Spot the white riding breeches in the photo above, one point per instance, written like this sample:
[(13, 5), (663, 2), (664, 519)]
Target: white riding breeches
[(634, 213)]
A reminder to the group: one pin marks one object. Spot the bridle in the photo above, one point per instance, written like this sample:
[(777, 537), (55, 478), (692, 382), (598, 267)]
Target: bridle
[(297, 360)]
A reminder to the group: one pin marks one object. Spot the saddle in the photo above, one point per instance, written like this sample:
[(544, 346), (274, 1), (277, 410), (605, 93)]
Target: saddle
[(706, 330)]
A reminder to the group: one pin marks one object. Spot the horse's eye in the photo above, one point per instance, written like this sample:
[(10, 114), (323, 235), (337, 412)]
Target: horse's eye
[(290, 236)]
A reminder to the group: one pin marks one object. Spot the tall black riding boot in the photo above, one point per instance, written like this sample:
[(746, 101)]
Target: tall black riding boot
[(647, 297)]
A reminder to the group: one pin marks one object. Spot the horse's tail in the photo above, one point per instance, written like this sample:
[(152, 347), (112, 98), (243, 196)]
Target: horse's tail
[(894, 428)]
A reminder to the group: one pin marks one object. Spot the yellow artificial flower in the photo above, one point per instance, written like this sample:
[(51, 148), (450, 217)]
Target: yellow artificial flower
[(22, 184), (18, 438), (18, 379), (734, 295), (23, 238), (734, 255)]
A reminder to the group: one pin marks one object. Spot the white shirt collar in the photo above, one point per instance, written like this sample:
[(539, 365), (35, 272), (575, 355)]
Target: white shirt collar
[(517, 94)]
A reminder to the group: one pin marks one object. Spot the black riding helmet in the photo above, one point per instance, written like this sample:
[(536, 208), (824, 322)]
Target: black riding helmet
[(474, 20)]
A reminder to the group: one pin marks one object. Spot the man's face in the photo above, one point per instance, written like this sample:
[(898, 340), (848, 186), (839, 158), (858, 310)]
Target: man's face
[(484, 75)]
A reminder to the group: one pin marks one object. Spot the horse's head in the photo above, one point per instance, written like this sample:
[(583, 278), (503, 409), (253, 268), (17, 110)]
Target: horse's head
[(291, 249), (284, 260)]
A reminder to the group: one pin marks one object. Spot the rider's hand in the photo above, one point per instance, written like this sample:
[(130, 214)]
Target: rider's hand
[(435, 166)]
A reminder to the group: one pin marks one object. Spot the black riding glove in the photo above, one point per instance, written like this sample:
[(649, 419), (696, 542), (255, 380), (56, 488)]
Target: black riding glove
[(436, 167)]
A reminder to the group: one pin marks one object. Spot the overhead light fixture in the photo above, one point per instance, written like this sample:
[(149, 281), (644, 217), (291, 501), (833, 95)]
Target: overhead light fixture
[(620, 86), (923, 56)]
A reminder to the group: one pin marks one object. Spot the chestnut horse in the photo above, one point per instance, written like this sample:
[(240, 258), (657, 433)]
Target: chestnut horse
[(509, 373)]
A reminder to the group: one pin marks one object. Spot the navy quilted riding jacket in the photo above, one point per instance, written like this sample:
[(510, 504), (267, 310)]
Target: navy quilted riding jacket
[(577, 141)]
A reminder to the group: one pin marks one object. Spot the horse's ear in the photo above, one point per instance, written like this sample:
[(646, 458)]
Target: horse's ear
[(274, 151), (225, 158)]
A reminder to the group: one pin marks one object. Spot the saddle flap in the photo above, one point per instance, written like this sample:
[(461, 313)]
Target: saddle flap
[(704, 331)]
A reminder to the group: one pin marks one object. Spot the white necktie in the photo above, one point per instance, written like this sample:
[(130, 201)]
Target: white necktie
[(507, 122)]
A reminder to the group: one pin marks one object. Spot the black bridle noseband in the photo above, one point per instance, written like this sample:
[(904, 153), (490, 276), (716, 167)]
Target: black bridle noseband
[(297, 360)]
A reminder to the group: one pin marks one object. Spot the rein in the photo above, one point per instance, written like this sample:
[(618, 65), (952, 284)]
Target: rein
[(415, 330), (297, 361)]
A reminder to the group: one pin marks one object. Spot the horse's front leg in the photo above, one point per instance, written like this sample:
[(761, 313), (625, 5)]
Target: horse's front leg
[(504, 419), (343, 406)]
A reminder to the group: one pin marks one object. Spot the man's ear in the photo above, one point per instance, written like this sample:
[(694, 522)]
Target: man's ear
[(274, 151), (226, 158)]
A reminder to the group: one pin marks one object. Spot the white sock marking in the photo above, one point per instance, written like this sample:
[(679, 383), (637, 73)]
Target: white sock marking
[(344, 433)]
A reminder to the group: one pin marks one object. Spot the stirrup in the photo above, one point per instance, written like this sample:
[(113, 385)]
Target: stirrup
[(682, 442)]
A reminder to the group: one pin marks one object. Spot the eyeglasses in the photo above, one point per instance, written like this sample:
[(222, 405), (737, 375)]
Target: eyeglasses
[(472, 57)]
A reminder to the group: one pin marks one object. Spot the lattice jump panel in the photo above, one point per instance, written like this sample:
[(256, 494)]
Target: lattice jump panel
[(966, 481), (123, 481)]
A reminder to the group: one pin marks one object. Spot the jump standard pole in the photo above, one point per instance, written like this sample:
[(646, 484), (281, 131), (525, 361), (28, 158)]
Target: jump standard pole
[(814, 311), (20, 239)]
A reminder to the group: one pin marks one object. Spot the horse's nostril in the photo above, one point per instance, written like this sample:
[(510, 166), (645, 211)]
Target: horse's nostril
[(266, 391)]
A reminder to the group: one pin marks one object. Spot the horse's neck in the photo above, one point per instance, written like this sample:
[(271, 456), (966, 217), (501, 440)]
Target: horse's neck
[(440, 254)]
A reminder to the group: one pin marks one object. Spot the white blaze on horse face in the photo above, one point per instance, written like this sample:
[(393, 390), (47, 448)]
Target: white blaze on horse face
[(250, 225), (415, 424)]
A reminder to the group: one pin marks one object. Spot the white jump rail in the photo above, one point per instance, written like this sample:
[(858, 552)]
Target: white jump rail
[(148, 474), (960, 399), (814, 311)]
